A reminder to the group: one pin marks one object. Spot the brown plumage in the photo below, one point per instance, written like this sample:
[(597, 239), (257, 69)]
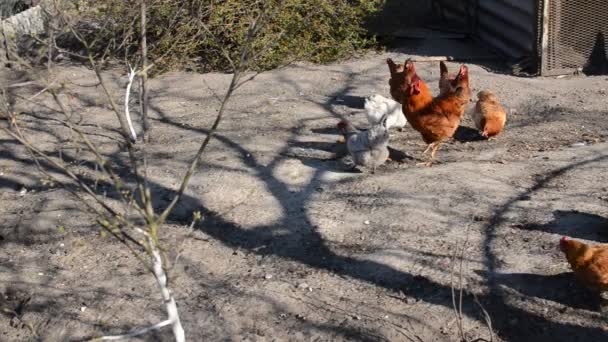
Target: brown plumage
[(397, 75), (436, 119), (589, 263), (489, 116), (448, 86)]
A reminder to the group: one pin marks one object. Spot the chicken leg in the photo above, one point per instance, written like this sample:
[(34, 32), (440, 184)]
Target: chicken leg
[(430, 146), (434, 146)]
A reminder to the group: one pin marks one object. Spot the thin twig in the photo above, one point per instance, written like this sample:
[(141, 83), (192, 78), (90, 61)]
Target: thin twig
[(486, 317), (170, 305), (101, 161), (127, 93), (135, 333), (21, 84), (233, 83), (458, 308), (460, 280), (197, 217), (63, 169), (144, 65)]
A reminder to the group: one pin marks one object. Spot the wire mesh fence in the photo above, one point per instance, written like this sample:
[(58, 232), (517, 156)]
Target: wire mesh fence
[(576, 37)]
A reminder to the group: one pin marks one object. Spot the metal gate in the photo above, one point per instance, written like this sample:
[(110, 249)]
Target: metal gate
[(574, 37), (542, 37), (510, 27)]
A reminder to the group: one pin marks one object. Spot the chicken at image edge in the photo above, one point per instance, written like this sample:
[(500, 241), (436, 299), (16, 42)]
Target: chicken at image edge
[(589, 263)]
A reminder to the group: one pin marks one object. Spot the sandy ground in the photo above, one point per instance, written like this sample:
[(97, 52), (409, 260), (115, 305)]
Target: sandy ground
[(294, 247)]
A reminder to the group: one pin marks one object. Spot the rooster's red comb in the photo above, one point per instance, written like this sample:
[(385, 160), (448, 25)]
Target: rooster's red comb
[(463, 70)]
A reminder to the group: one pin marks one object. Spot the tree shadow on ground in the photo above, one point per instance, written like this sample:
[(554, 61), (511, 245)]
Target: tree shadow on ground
[(530, 326), (560, 288), (304, 244), (575, 224)]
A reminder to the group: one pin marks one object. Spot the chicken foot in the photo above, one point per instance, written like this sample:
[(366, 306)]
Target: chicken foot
[(433, 147)]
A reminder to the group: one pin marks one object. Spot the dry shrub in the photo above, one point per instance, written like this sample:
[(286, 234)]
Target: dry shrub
[(187, 34)]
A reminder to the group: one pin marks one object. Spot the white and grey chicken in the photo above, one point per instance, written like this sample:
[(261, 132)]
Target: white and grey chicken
[(377, 106), (367, 148)]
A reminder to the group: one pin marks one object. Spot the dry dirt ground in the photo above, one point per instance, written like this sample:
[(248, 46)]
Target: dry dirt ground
[(294, 246)]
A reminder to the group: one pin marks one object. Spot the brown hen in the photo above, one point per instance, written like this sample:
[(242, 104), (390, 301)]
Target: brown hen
[(436, 119), (489, 116), (449, 85), (396, 79), (589, 263)]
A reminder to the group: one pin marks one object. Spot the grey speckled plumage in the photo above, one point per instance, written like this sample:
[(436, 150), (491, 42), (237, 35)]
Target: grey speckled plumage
[(368, 148)]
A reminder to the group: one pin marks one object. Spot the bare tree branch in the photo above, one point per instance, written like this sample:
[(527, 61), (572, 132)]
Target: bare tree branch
[(245, 50), (457, 307), (171, 307), (135, 333), (117, 222), (127, 93), (144, 71)]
